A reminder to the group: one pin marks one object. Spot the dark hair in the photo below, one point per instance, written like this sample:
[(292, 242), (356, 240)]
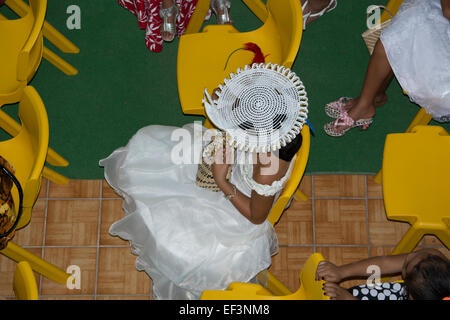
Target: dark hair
[(429, 279)]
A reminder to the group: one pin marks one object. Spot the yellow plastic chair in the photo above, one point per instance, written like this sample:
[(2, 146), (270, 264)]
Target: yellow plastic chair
[(422, 117), (416, 175), (202, 56), (21, 52), (24, 284), (310, 289), (53, 35), (26, 153)]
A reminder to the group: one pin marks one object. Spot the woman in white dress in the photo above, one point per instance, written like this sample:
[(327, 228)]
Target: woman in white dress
[(187, 238), (415, 47)]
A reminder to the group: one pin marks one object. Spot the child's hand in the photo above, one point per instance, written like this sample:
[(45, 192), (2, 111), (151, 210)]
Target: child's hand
[(328, 272), (336, 292)]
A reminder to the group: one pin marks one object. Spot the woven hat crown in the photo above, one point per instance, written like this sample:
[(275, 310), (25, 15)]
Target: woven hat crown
[(261, 108)]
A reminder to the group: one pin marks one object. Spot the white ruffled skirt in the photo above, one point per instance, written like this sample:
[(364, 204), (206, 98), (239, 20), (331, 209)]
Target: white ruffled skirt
[(417, 44), (188, 239)]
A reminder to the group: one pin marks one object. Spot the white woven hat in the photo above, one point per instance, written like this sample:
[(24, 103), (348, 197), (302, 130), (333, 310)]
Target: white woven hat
[(261, 108)]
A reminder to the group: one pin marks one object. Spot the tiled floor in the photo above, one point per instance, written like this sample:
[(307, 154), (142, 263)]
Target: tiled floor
[(344, 219)]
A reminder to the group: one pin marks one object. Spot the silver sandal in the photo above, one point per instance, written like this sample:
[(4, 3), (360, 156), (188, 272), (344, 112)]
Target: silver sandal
[(224, 7), (165, 14)]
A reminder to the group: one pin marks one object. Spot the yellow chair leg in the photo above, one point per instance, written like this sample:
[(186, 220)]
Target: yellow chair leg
[(409, 241), (196, 21), (12, 127), (300, 196), (48, 270), (59, 62), (54, 176), (52, 34)]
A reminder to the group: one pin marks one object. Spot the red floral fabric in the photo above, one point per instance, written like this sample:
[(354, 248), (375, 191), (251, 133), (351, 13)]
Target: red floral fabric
[(147, 13)]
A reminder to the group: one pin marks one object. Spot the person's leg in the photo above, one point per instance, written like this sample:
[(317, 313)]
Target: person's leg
[(171, 19)]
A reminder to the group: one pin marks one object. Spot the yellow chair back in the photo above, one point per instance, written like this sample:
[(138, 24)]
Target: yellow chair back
[(24, 284), (21, 48), (310, 289), (26, 152)]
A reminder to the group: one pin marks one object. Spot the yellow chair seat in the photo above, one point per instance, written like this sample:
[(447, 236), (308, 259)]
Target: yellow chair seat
[(416, 175)]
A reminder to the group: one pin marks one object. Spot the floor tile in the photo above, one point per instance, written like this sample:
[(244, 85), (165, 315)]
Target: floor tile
[(331, 186), (107, 191), (288, 263), (111, 212), (374, 190), (295, 226), (84, 258), (340, 222), (117, 273), (7, 269), (33, 233), (72, 223), (75, 189), (381, 230)]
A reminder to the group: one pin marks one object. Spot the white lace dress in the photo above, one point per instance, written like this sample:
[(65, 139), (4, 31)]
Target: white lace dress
[(417, 44), (188, 239)]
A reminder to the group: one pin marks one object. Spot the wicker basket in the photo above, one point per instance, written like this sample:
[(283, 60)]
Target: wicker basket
[(371, 36)]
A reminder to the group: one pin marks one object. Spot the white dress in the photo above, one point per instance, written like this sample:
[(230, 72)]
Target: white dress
[(188, 239), (417, 44)]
